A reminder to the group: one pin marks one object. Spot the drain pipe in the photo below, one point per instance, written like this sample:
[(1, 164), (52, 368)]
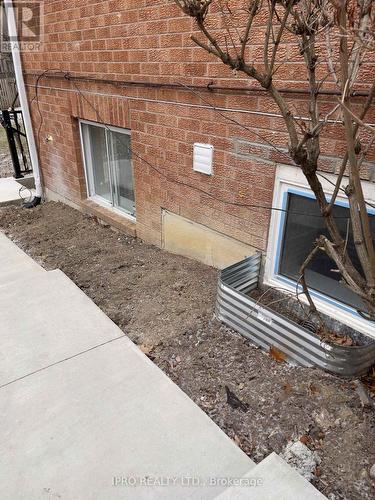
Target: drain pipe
[(13, 35)]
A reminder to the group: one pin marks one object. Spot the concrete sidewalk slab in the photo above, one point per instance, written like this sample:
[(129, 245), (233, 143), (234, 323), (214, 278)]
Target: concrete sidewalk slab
[(10, 191), (272, 479), (86, 415), (56, 321), (68, 431), (14, 263)]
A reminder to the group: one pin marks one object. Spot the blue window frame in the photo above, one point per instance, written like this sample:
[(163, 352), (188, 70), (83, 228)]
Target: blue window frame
[(296, 235)]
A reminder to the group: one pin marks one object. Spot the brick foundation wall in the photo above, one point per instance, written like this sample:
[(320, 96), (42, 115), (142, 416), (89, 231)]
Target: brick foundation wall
[(120, 40)]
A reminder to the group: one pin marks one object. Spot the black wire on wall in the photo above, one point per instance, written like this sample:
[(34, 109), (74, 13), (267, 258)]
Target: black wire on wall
[(66, 75)]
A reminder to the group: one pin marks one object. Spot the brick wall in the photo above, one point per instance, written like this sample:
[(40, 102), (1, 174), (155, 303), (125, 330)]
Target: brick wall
[(127, 40)]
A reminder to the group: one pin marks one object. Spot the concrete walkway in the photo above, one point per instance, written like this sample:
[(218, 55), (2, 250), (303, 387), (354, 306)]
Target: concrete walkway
[(84, 414), (10, 191)]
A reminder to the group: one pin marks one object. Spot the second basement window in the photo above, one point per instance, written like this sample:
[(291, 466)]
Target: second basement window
[(300, 232), (109, 171)]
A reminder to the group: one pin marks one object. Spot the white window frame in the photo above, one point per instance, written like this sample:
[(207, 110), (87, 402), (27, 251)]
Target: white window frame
[(89, 174), (290, 179)]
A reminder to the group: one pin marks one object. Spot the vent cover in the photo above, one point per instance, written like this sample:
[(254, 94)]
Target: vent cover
[(203, 158)]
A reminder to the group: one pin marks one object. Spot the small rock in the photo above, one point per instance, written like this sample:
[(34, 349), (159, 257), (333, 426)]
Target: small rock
[(324, 419), (237, 440), (363, 474), (301, 458), (147, 350), (372, 472), (363, 394), (178, 286)]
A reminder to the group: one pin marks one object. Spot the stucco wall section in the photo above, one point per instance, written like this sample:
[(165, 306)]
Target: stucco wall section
[(184, 237)]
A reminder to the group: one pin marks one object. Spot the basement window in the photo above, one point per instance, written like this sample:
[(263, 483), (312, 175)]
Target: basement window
[(300, 232), (108, 166), (293, 230)]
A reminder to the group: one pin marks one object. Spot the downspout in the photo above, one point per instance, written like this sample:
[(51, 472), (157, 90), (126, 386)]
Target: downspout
[(12, 31)]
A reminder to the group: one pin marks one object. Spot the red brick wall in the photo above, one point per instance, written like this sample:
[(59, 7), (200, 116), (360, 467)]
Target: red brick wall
[(129, 40), (123, 39)]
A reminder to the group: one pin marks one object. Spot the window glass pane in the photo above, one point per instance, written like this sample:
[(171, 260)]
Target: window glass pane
[(97, 161), (300, 232), (121, 166)]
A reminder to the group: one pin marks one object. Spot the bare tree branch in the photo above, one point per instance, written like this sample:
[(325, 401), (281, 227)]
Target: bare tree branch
[(312, 22)]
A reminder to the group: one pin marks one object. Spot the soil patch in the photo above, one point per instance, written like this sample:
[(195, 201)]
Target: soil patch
[(165, 303), (328, 329)]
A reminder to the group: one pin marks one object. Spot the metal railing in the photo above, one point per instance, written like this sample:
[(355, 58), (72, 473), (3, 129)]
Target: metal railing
[(12, 121), (8, 87)]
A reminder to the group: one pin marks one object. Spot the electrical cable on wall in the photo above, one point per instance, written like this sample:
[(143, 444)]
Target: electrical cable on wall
[(67, 76)]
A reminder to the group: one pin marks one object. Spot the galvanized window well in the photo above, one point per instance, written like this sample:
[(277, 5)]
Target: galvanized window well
[(268, 329)]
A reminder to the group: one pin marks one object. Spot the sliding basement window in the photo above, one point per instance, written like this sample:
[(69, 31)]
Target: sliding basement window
[(108, 165)]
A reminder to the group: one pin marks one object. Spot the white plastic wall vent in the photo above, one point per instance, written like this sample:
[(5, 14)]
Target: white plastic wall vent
[(203, 158)]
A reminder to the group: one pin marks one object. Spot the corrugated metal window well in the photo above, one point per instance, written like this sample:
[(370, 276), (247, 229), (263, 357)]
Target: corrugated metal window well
[(278, 322)]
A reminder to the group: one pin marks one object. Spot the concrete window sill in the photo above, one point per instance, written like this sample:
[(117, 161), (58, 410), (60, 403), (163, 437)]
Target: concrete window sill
[(114, 219)]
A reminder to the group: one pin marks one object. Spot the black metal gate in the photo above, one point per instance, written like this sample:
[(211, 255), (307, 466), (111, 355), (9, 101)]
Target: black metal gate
[(12, 121)]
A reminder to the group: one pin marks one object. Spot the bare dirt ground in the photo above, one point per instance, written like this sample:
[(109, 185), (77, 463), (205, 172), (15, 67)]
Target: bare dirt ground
[(165, 303)]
